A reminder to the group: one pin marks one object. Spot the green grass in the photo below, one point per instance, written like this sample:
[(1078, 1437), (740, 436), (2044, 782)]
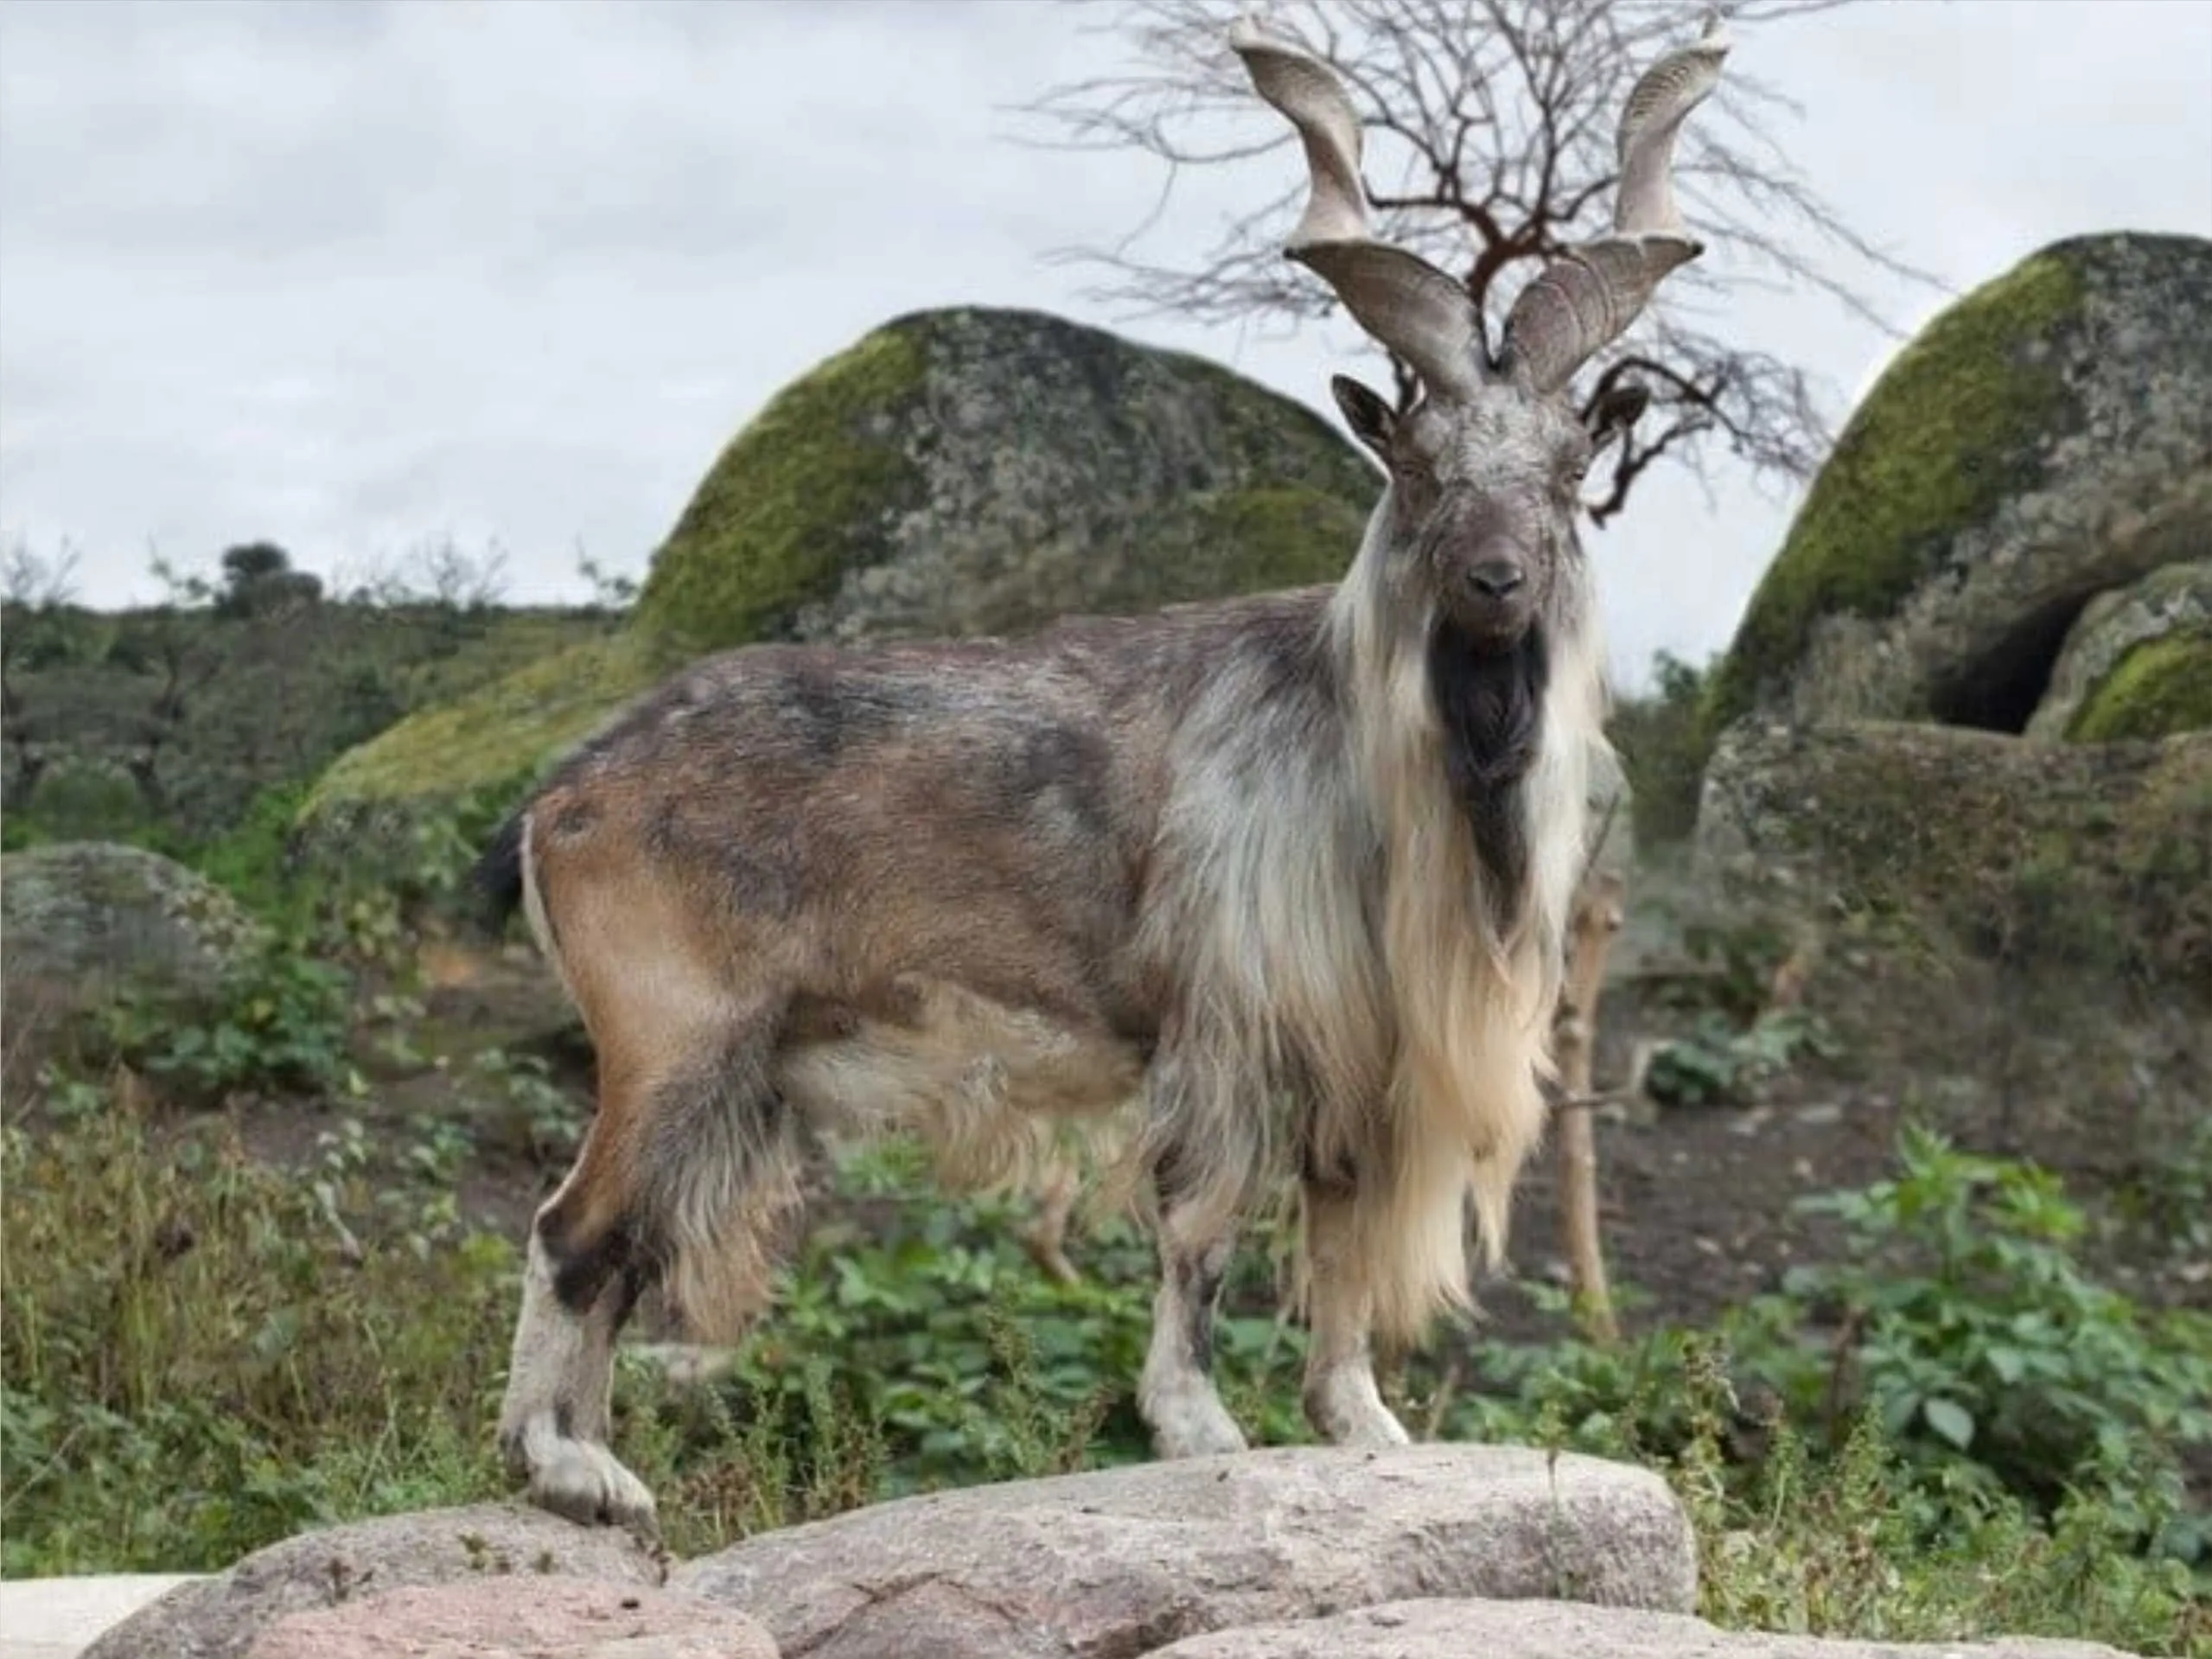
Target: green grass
[(202, 1355)]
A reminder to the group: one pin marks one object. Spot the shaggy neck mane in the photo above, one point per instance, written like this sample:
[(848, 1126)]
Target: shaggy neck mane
[(1469, 764)]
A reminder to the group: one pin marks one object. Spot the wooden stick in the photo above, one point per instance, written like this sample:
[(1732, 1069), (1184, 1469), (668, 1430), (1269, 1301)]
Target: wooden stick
[(1596, 919)]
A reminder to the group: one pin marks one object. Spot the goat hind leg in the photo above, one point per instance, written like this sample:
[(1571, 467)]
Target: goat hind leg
[(711, 1168), (1045, 1237), (554, 1422), (1175, 1394)]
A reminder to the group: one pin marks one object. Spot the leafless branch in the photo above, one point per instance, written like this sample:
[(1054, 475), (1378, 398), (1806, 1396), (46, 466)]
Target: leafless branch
[(1489, 148)]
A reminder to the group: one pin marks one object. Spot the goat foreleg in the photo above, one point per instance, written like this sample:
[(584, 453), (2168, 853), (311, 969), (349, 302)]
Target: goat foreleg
[(1343, 1401)]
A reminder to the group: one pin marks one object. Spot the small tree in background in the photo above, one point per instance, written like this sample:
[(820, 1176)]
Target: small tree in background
[(258, 580), (1490, 130)]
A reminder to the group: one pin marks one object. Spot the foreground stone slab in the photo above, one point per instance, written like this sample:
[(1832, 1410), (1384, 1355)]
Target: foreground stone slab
[(219, 1618), (526, 1618), (1552, 1629), (1125, 1561), (57, 1619)]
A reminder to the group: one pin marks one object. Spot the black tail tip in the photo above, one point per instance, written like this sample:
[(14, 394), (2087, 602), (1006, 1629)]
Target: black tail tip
[(498, 874)]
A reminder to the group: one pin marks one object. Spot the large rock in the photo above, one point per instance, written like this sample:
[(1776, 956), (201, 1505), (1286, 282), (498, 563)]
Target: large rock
[(2137, 663), (979, 471), (1127, 1560), (2085, 855), (2044, 439), (81, 920), (530, 1617), (221, 1617), (1551, 1630), (955, 472)]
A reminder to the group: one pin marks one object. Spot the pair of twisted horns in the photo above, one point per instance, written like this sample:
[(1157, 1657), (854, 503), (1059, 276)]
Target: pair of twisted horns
[(1578, 303)]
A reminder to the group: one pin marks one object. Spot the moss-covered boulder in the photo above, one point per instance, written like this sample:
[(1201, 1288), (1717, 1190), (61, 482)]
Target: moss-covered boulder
[(980, 471), (494, 738), (955, 472), (2090, 858), (2137, 663), (80, 920), (2047, 438)]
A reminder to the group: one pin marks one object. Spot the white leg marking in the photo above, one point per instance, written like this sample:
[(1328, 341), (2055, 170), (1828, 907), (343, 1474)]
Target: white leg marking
[(1342, 1401), (1175, 1395), (554, 1423)]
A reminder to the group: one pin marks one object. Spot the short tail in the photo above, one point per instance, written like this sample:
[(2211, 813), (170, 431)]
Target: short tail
[(498, 875)]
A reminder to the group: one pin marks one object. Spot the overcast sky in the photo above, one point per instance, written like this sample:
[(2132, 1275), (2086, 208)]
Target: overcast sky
[(351, 275)]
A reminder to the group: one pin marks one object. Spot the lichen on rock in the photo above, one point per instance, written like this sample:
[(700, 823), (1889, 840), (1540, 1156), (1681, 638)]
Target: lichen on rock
[(805, 491), (1058, 469), (2160, 687), (2083, 856), (2105, 684), (84, 919), (2046, 437)]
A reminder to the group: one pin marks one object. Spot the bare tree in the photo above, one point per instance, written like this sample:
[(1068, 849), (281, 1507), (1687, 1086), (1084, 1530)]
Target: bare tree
[(461, 580), (437, 570), (1489, 127)]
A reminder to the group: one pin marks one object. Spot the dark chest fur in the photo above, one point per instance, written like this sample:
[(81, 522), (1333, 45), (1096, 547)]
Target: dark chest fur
[(1491, 704)]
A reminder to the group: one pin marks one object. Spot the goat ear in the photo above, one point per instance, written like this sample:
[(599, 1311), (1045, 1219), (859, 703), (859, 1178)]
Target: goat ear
[(1370, 416), (1616, 410)]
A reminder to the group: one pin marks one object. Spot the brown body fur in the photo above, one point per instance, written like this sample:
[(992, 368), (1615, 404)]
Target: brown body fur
[(950, 888)]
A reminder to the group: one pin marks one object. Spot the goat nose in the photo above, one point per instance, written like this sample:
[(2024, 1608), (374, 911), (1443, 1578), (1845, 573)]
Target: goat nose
[(1496, 577)]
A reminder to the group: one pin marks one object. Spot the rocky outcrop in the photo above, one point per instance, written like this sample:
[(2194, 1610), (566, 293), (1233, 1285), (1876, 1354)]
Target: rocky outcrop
[(81, 920), (2137, 663), (530, 1616), (221, 1617), (972, 471), (1551, 1630), (1126, 1560), (2089, 856), (955, 472), (2045, 439)]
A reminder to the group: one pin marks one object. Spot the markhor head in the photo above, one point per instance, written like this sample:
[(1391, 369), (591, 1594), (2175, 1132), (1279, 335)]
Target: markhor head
[(1486, 468)]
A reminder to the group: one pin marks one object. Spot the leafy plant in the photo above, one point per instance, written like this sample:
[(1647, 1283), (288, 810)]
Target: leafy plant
[(1864, 1543), (1720, 1063), (529, 1108), (942, 1332), (282, 1021), (1984, 1350)]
